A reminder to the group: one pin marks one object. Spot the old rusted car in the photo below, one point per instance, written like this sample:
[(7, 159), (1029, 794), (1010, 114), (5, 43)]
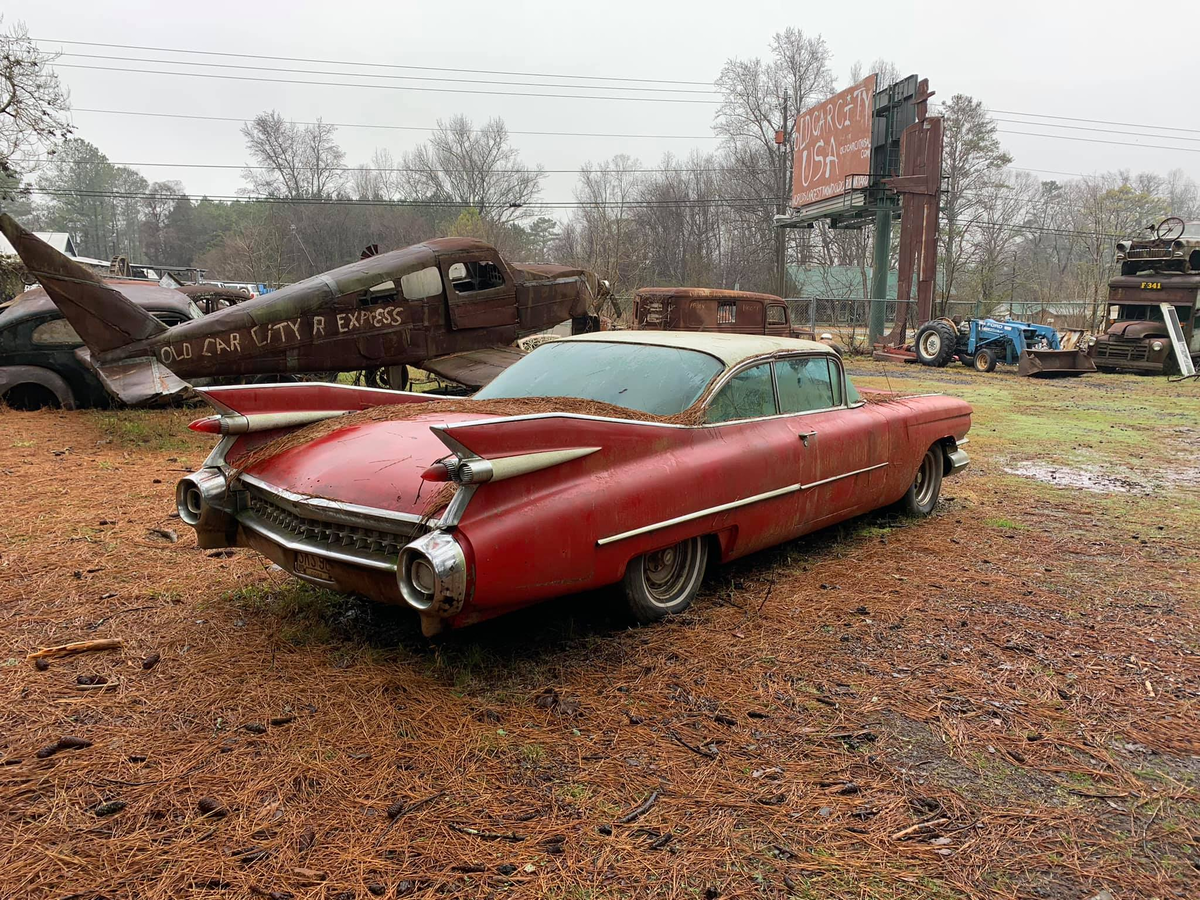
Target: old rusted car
[(453, 306), (38, 362), (630, 458), (1172, 245), (711, 309)]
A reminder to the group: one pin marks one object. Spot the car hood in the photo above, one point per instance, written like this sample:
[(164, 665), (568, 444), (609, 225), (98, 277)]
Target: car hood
[(1137, 329), (375, 464)]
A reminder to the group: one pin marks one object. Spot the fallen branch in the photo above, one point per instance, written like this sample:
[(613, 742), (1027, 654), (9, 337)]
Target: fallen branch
[(511, 836), (77, 647), (919, 828), (639, 810), (700, 751)]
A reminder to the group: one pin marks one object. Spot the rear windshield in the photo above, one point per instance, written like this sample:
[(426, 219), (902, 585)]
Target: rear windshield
[(661, 381)]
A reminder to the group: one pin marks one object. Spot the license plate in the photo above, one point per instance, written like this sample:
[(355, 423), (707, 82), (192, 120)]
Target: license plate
[(311, 565)]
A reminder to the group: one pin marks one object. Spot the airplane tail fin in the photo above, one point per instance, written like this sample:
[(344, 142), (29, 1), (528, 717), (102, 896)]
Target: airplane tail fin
[(104, 318)]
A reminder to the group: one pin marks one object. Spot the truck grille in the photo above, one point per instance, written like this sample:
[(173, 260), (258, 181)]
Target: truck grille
[(334, 535), (1119, 350)]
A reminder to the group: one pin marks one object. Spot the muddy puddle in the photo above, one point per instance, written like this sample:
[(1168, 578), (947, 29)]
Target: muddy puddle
[(1081, 479)]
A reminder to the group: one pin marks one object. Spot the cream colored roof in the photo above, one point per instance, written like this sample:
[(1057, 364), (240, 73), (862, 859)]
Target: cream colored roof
[(731, 349)]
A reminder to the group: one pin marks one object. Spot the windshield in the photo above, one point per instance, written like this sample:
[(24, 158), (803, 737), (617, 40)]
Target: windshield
[(661, 381)]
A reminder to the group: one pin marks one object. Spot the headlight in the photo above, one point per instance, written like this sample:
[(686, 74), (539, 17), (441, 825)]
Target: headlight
[(432, 573), (1156, 346), (1092, 341)]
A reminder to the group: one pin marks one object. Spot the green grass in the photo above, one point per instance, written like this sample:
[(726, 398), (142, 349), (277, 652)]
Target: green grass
[(304, 614), (1003, 523), (149, 429)]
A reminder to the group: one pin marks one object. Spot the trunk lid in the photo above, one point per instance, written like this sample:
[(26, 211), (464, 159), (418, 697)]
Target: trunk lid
[(375, 464)]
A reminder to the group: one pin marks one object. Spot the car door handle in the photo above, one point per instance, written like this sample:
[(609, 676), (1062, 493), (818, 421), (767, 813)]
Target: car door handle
[(805, 435)]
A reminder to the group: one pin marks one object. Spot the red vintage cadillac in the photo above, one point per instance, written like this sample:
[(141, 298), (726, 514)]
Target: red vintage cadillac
[(631, 458)]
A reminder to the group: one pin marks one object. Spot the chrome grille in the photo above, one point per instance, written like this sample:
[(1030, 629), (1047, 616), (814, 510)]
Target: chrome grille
[(1122, 350), (1149, 253), (334, 535)]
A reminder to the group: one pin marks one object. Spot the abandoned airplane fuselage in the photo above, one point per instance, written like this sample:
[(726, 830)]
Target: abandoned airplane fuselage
[(414, 305)]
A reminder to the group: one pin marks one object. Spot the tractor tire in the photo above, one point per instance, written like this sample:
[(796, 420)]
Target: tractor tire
[(937, 343), (985, 360)]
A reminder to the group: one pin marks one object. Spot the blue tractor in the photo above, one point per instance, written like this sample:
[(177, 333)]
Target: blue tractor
[(981, 343)]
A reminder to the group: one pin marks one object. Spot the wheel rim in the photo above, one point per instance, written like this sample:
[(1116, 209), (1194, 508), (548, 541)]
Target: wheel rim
[(981, 361), (668, 572), (926, 480), (931, 343)]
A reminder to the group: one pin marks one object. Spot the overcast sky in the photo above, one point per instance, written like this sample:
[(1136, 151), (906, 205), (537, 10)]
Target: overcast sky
[(1055, 58)]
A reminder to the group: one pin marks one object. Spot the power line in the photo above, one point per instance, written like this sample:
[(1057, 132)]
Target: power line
[(1009, 112), (557, 204), (408, 170), (435, 204), (381, 87), (1096, 130), (245, 119), (1070, 137), (570, 87), (346, 62)]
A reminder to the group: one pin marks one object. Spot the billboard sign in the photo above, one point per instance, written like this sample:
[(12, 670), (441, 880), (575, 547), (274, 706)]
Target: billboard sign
[(833, 142)]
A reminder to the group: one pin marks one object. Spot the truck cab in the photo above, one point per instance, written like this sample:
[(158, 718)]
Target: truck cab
[(1135, 334), (710, 309)]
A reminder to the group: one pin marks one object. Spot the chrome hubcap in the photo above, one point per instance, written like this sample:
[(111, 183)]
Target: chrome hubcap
[(924, 482), (667, 572)]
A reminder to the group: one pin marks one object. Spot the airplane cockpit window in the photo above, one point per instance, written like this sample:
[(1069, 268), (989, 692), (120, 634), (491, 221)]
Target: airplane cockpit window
[(423, 283), (384, 292), (469, 277)]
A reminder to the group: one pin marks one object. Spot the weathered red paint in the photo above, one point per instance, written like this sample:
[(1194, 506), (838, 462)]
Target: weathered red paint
[(542, 535)]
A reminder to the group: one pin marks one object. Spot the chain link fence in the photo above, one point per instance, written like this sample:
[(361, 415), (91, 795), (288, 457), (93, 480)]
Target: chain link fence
[(848, 321)]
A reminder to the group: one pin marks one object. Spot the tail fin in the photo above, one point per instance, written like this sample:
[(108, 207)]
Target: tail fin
[(104, 317)]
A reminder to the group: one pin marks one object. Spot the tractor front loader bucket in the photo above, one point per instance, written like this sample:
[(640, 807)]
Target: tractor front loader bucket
[(1054, 363)]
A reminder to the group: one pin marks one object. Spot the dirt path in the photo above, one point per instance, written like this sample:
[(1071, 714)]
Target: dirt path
[(998, 701)]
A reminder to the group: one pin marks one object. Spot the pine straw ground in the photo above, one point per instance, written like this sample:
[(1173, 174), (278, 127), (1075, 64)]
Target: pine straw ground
[(998, 701)]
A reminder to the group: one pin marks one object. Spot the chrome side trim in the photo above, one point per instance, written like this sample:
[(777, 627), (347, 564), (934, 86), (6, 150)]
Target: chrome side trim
[(725, 507), (340, 511), (712, 510)]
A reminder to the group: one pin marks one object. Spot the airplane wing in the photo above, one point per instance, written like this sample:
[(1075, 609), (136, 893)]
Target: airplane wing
[(473, 368)]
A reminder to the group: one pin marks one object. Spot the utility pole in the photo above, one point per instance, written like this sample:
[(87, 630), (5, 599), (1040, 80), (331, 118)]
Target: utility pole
[(784, 142), (879, 272)]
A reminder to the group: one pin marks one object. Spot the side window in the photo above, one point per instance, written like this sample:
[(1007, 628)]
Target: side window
[(727, 312), (805, 384), (748, 395), (384, 292), (170, 319), (776, 315), (56, 331), (421, 284), (470, 277)]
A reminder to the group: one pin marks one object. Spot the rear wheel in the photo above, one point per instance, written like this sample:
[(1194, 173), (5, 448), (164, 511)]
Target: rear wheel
[(922, 495), (664, 582), (936, 343), (985, 360)]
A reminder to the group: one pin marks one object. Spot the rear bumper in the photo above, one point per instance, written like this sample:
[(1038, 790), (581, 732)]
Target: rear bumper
[(957, 460)]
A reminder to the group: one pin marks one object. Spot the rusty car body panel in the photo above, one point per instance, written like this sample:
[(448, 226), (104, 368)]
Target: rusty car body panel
[(553, 503), (412, 305), (40, 351), (712, 309)]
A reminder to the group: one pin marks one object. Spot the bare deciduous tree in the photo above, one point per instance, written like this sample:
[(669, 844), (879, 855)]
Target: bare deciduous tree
[(473, 168), (972, 161), (33, 104), (293, 161)]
